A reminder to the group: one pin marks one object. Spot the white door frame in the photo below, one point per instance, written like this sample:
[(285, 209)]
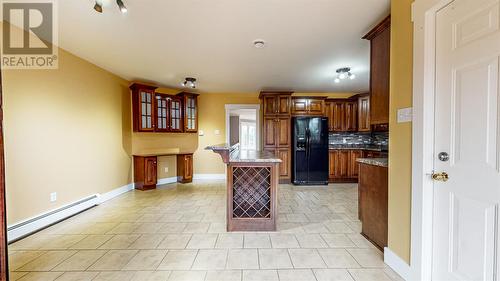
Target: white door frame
[(424, 45), (230, 107)]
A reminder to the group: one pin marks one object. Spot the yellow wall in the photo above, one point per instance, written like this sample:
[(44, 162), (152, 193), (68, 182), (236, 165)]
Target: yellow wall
[(66, 131), (400, 133), (213, 117)]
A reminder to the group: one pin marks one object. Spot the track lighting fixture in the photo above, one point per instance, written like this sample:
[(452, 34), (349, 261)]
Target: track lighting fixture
[(98, 7), (122, 7), (189, 82), (343, 73)]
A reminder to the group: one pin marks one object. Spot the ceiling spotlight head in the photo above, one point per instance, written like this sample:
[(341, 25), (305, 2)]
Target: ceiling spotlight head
[(337, 80), (98, 7), (342, 75), (189, 82), (259, 43), (352, 76), (122, 7)]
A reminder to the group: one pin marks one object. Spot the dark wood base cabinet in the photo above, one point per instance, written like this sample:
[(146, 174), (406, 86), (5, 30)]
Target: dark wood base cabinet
[(185, 168), (372, 204), (343, 165), (145, 172)]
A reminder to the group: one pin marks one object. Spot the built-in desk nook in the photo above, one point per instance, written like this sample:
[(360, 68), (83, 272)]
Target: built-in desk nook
[(252, 186), (145, 167)]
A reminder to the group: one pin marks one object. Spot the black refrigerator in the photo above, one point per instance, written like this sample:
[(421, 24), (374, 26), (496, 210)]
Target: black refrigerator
[(310, 150)]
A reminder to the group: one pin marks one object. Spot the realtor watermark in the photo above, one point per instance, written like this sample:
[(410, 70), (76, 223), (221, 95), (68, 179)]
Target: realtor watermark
[(29, 34)]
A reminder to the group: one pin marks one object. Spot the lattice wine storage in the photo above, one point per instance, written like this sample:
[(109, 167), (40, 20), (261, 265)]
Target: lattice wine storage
[(251, 192)]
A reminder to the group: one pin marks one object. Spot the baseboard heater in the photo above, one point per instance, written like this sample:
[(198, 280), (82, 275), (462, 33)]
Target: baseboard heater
[(22, 229)]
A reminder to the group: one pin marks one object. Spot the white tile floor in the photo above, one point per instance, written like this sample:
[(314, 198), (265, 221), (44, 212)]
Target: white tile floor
[(177, 232)]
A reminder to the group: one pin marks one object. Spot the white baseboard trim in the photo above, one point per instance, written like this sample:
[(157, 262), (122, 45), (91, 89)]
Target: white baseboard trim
[(33, 224), (209, 176), (397, 264), (114, 193), (166, 181)]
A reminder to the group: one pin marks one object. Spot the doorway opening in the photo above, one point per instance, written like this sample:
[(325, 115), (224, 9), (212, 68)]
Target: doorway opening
[(242, 125)]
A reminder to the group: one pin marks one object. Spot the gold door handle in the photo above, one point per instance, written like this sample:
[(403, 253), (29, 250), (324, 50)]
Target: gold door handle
[(443, 176)]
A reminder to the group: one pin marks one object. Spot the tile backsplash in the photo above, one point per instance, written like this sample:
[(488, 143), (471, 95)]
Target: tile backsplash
[(375, 138)]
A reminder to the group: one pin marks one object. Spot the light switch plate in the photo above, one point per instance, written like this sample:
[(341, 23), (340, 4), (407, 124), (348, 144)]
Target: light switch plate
[(201, 133), (53, 197), (217, 132), (405, 115)]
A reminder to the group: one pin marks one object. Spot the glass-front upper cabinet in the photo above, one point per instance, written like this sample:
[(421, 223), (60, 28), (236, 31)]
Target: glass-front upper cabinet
[(143, 104), (190, 112), (176, 114), (162, 113)]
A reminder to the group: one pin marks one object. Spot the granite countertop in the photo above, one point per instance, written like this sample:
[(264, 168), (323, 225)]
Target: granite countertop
[(252, 156), (381, 162), (237, 155), (222, 146), (369, 147)]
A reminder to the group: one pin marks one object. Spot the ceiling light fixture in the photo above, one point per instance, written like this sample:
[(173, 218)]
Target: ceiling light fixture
[(259, 43), (189, 82), (122, 7), (343, 73), (98, 7)]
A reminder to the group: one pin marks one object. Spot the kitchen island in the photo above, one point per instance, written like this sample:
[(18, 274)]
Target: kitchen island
[(252, 184)]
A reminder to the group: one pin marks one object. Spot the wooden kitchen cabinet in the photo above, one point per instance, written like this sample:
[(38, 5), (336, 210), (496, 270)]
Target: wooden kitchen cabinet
[(276, 131), (342, 115), (162, 110), (329, 115), (343, 165), (283, 154), (185, 168), (380, 39), (338, 116), (353, 164), (373, 203), (190, 112), (145, 172), (308, 106), (339, 164), (162, 113), (143, 100), (276, 103), (176, 120), (351, 116), (364, 113)]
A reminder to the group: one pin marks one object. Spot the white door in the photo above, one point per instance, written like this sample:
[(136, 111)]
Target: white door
[(467, 128)]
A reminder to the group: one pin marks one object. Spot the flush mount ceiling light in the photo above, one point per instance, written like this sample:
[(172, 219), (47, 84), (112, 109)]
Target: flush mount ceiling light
[(121, 6), (189, 82), (259, 43), (343, 73)]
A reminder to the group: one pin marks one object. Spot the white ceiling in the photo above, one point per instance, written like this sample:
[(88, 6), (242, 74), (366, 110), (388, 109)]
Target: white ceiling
[(163, 41)]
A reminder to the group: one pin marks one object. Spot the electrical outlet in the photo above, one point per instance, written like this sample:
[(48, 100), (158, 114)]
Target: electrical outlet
[(53, 197), (166, 169)]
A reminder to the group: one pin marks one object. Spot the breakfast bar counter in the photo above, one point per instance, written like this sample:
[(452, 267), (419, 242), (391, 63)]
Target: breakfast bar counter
[(252, 184)]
